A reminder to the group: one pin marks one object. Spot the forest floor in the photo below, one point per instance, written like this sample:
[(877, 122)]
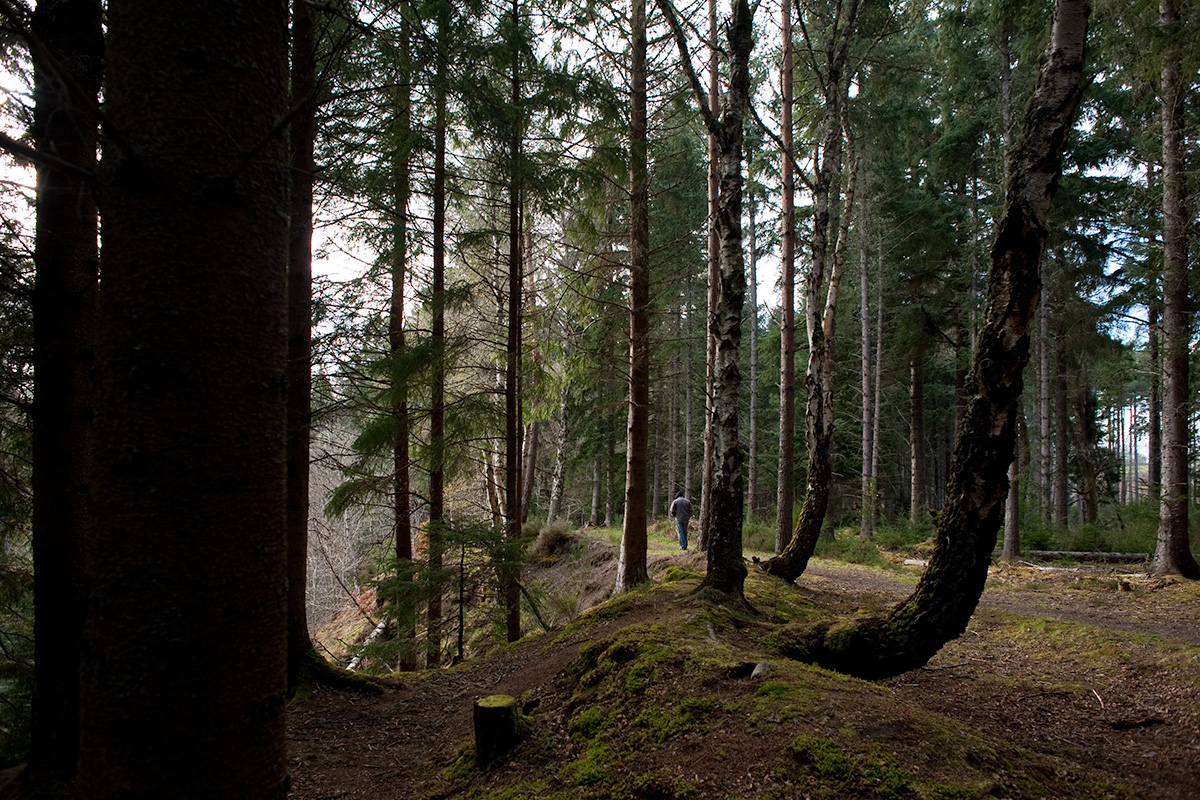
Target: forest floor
[(1080, 682)]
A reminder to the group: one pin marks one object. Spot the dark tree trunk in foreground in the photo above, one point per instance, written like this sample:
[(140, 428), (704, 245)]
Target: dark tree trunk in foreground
[(726, 566), (184, 685), (299, 365), (966, 529), (1172, 554), (631, 567), (64, 319)]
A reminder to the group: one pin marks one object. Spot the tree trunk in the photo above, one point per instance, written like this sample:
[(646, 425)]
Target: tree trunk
[(726, 572), (437, 398), (1044, 347), (916, 435), (1172, 554), (64, 318), (1154, 405), (866, 527), (714, 279), (828, 245), (191, 490), (1062, 423), (1011, 550), (785, 498), (560, 460), (752, 458), (406, 631), (966, 528), (595, 518), (529, 471), (631, 566)]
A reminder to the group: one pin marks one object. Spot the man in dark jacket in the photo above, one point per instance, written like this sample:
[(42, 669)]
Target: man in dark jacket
[(681, 510)]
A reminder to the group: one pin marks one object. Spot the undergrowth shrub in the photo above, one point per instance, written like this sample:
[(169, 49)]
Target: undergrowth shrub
[(902, 533), (845, 545)]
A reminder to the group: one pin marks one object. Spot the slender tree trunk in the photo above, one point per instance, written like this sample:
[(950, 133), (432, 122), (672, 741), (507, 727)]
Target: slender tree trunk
[(1153, 406), (1011, 551), (830, 234), (1044, 348), (752, 471), (610, 472), (1062, 425), (595, 518), (406, 629), (867, 523), (688, 397), (191, 477), (944, 600), (437, 398), (529, 472), (1172, 554), (512, 393), (916, 434), (631, 566), (68, 38), (785, 498), (714, 278), (560, 461)]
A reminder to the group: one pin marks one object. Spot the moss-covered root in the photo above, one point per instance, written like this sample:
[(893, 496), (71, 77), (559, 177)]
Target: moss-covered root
[(316, 671)]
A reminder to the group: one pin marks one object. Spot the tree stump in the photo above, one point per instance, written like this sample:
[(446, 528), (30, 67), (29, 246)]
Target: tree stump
[(495, 727)]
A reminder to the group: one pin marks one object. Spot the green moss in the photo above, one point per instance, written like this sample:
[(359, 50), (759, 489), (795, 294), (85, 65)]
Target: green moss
[(674, 574), (589, 723), (823, 757), (665, 724), (594, 766)]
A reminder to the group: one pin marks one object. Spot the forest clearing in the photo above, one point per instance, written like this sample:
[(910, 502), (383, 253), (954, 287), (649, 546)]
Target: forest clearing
[(1071, 682)]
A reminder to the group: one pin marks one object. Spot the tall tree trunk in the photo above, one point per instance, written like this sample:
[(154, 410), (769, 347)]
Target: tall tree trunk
[(68, 49), (1153, 406), (558, 482), (830, 234), (631, 566), (752, 457), (437, 399), (595, 518), (1172, 555), (1062, 423), (529, 471), (726, 572), (406, 628), (785, 498), (714, 278), (1011, 550), (916, 434), (512, 391), (944, 600), (1044, 348), (191, 478), (866, 527)]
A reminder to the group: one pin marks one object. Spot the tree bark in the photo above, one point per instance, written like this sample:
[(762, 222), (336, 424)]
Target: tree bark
[(406, 630), (752, 457), (714, 278), (631, 566), (827, 246), (190, 549), (512, 391), (437, 397), (560, 460), (68, 47), (726, 572), (916, 435), (785, 489), (1172, 554), (966, 528)]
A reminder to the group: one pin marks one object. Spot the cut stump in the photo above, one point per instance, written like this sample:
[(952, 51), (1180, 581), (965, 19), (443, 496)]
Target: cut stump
[(495, 727)]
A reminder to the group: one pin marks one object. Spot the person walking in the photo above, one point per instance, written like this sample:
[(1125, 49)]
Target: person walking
[(681, 510)]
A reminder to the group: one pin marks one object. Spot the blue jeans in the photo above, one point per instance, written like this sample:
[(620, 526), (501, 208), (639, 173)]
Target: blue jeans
[(681, 528)]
